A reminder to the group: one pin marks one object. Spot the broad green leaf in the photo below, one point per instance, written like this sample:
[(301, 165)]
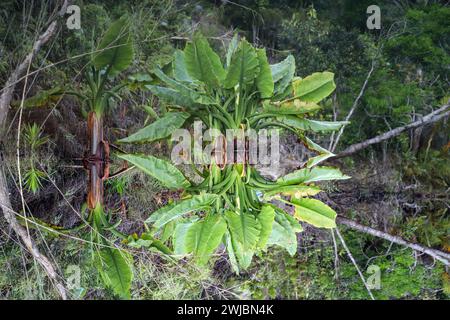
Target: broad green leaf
[(244, 230), (180, 72), (294, 191), (323, 153), (291, 107), (244, 66), (265, 217), (231, 254), (135, 241), (167, 231), (293, 223), (232, 47), (179, 238), (281, 69), (283, 237), (315, 87), (147, 240), (160, 129), (184, 90), (315, 174), (264, 81), (314, 212), (161, 170), (204, 236), (177, 209), (115, 50), (140, 78), (283, 73), (115, 269), (282, 95), (171, 96), (284, 232), (150, 111), (202, 63), (311, 125)]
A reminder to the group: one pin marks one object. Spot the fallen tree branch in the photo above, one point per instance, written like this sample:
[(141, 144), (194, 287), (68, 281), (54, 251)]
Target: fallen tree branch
[(5, 203), (428, 119), (436, 254)]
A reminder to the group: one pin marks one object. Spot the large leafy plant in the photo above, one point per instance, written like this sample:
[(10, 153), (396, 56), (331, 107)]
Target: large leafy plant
[(113, 55), (234, 204)]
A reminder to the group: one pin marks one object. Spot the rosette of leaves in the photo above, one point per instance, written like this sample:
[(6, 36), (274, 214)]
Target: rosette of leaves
[(232, 205)]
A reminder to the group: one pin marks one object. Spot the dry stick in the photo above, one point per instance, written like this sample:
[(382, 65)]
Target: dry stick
[(429, 118), (5, 203), (354, 263), (336, 256), (355, 104), (10, 217), (436, 254)]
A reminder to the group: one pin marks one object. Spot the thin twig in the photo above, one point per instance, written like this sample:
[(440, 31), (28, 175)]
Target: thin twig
[(336, 256), (355, 104), (354, 263)]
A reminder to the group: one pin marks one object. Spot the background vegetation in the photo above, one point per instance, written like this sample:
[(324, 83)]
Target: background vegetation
[(399, 186)]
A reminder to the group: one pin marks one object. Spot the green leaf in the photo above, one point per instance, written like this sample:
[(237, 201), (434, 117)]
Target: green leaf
[(161, 170), (135, 241), (294, 191), (291, 107), (115, 269), (323, 153), (265, 218), (264, 81), (244, 66), (115, 50), (311, 125), (314, 88), (180, 72), (283, 73), (204, 236), (232, 47), (171, 96), (150, 111), (231, 254), (179, 238), (184, 90), (160, 129), (147, 240), (284, 231), (315, 174), (244, 230), (202, 63), (177, 209), (33, 179), (314, 212)]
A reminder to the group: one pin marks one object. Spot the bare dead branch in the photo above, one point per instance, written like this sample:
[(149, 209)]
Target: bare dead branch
[(355, 104), (428, 119), (436, 254), (341, 238)]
